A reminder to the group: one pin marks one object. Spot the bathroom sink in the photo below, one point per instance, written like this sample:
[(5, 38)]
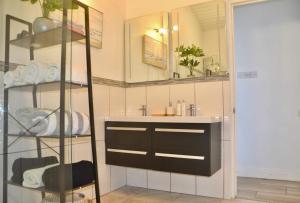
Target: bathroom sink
[(166, 119)]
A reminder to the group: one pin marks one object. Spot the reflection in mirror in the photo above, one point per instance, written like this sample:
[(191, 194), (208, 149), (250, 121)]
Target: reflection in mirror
[(146, 48), (199, 40)]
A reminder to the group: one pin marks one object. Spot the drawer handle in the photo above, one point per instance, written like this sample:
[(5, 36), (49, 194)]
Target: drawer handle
[(180, 156), (179, 130), (126, 129), (127, 151)]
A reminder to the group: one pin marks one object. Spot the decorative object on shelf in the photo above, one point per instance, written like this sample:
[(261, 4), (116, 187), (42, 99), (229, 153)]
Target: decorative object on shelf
[(154, 52), (78, 25), (190, 57), (211, 67), (42, 24), (23, 34)]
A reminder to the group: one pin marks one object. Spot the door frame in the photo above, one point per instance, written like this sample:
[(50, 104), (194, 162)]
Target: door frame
[(230, 30)]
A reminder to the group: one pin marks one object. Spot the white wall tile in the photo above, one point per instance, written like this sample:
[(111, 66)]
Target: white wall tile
[(101, 100), (81, 151), (211, 186), (159, 180), (229, 169), (209, 98), (135, 98), (117, 101), (103, 169), (118, 177), (182, 183), (137, 177), (100, 128), (104, 178), (101, 108), (181, 92), (158, 98)]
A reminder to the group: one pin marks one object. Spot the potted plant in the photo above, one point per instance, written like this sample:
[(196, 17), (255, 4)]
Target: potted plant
[(189, 57), (44, 23)]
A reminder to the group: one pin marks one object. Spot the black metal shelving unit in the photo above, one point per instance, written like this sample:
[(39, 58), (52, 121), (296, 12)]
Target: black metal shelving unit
[(58, 36)]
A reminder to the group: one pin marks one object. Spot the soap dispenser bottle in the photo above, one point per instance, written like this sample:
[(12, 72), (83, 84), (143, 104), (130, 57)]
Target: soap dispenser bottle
[(170, 110), (183, 108), (178, 108)]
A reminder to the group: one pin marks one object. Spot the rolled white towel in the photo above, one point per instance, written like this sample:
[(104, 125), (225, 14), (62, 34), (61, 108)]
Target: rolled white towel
[(52, 73), (34, 73), (9, 79), (19, 76), (33, 178), (86, 125)]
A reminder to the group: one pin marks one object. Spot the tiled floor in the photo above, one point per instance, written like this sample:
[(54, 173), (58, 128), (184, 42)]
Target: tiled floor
[(139, 195), (271, 191)]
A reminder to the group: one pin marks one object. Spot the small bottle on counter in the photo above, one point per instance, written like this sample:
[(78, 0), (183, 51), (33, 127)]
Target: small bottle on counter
[(178, 108), (183, 108)]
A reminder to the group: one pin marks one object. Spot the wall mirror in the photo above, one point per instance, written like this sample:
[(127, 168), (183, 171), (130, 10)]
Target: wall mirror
[(199, 40), (147, 48), (188, 42)]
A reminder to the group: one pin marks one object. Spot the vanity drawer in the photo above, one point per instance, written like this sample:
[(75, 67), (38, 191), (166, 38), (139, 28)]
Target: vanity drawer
[(185, 139), (187, 148), (127, 144)]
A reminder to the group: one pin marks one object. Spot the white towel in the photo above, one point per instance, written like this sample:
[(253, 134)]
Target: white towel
[(19, 75), (52, 73), (33, 178), (34, 73), (9, 79)]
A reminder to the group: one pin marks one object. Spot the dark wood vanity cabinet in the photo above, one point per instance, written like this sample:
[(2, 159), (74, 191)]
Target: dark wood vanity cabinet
[(188, 148)]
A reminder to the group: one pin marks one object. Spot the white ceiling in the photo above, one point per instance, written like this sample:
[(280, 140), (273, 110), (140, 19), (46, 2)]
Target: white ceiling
[(210, 14)]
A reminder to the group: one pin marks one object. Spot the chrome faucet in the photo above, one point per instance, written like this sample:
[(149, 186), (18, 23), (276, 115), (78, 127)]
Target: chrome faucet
[(144, 110), (193, 110)]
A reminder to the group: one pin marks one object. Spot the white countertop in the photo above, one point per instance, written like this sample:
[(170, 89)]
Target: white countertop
[(166, 119)]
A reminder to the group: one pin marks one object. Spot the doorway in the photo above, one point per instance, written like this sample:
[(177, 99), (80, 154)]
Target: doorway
[(268, 100)]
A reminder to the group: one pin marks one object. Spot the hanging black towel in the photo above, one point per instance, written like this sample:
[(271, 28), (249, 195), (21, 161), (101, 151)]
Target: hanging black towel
[(76, 175), (23, 164)]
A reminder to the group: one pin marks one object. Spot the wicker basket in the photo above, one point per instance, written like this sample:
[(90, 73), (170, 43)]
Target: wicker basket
[(70, 198)]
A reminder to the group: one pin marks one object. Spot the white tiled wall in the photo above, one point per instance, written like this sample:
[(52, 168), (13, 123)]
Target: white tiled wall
[(159, 180), (182, 183), (137, 177), (115, 101), (209, 97), (135, 98)]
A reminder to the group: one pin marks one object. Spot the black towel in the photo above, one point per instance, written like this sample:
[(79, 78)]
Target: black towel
[(23, 164), (76, 175)]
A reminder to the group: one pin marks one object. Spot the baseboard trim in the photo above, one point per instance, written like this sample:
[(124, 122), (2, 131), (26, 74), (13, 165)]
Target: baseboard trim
[(267, 173)]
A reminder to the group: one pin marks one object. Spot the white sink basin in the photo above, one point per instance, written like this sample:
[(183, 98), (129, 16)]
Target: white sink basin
[(166, 119)]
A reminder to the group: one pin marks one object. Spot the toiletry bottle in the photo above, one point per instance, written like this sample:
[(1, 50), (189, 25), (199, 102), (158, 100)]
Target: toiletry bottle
[(183, 108), (170, 110), (178, 108)]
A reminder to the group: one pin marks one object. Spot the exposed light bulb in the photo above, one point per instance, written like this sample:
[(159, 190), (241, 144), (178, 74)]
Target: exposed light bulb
[(175, 28), (163, 31)]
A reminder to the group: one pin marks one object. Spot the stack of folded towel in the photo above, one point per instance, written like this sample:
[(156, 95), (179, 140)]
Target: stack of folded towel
[(44, 172), (24, 164), (76, 175), (42, 122), (37, 72)]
